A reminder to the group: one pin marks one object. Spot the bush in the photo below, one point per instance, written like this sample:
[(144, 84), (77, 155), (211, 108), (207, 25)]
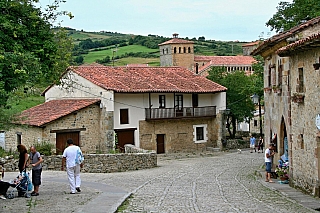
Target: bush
[(4, 153), (44, 148)]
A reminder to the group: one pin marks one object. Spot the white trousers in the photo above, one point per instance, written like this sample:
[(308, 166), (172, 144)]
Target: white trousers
[(74, 177)]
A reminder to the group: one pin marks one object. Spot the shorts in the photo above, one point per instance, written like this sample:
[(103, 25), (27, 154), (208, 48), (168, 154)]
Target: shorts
[(36, 177), (268, 167), (252, 146)]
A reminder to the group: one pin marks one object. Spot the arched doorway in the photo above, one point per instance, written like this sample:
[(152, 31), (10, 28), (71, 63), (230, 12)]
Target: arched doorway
[(283, 139)]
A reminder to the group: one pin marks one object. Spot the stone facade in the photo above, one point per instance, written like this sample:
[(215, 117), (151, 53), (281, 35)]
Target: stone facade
[(292, 101), (177, 55), (179, 134), (305, 153), (87, 119)]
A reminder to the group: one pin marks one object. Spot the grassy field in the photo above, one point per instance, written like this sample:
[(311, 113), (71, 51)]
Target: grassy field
[(94, 55), (134, 60)]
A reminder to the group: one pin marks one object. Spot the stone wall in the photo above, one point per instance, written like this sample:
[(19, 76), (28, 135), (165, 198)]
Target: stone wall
[(179, 134), (95, 163), (305, 157)]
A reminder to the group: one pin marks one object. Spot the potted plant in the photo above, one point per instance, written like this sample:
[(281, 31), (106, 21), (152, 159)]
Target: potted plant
[(276, 88), (282, 170)]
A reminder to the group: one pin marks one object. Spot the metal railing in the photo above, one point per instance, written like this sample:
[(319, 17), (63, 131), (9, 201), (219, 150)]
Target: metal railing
[(185, 112)]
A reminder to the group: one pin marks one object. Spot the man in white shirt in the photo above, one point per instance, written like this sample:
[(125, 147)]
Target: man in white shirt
[(268, 160), (73, 169)]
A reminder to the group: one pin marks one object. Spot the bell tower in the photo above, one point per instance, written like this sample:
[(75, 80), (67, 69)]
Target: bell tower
[(177, 52)]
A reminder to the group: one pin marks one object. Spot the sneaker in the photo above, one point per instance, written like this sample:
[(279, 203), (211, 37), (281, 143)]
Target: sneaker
[(3, 197), (72, 193), (34, 194), (78, 189)]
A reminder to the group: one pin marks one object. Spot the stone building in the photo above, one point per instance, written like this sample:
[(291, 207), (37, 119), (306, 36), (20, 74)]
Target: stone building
[(291, 81), (167, 109), (180, 52)]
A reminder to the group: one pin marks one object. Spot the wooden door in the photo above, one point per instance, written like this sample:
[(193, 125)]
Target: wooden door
[(61, 140), (124, 137), (160, 144)]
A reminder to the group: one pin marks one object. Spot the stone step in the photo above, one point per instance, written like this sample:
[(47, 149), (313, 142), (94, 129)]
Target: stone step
[(213, 149)]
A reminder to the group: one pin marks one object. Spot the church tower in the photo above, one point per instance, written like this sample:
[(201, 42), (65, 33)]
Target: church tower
[(177, 52)]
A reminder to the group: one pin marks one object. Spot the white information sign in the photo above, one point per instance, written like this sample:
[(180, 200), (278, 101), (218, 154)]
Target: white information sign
[(318, 121)]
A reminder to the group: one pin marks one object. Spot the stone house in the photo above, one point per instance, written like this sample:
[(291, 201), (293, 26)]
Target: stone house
[(291, 81), (167, 109)]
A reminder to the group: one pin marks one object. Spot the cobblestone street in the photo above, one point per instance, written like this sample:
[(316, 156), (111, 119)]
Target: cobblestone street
[(218, 182), (213, 184)]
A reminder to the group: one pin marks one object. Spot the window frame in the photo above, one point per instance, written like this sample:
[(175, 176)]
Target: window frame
[(204, 139)]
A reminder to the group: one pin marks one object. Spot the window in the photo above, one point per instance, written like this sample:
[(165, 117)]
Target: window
[(179, 49), (300, 80), (189, 50), (280, 68), (175, 50), (162, 101), (184, 50), (163, 51), (124, 116), (19, 138), (255, 123), (200, 133), (194, 100), (269, 77), (167, 50)]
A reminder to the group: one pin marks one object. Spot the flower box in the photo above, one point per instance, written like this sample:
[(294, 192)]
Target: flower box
[(298, 97)]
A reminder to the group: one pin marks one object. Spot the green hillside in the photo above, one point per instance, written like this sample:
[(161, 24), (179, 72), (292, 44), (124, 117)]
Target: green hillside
[(101, 47)]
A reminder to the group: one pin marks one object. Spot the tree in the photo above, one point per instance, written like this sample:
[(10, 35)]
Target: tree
[(30, 50), (292, 14), (240, 88)]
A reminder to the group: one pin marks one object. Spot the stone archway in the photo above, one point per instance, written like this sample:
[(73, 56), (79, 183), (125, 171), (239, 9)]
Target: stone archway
[(283, 139)]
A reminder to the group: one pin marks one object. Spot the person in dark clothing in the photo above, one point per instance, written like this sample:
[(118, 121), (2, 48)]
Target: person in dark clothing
[(23, 157)]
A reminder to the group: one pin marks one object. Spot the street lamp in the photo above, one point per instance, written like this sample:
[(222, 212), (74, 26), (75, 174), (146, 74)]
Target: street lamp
[(256, 100)]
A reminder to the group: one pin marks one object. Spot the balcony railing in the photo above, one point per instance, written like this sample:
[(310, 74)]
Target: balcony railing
[(185, 112)]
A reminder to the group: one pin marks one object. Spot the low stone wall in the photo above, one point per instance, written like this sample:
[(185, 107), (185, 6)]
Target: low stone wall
[(237, 144), (129, 148), (96, 163)]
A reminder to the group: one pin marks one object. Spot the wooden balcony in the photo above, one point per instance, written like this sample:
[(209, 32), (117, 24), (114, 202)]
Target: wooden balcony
[(175, 113)]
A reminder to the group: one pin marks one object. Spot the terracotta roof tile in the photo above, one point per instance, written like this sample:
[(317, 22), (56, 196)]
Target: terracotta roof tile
[(147, 79), (52, 110), (284, 35), (292, 47), (176, 41), (251, 44), (226, 60)]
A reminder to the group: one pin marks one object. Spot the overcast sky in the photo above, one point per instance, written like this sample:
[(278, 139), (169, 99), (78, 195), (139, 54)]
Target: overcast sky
[(225, 20)]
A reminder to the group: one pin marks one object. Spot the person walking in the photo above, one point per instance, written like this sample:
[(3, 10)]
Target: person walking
[(260, 145), (252, 144), (35, 161), (269, 152), (23, 157), (72, 166)]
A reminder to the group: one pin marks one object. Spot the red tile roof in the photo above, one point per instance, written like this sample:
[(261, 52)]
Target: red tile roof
[(296, 45), (251, 44), (284, 35), (176, 41), (147, 79), (226, 60), (52, 110)]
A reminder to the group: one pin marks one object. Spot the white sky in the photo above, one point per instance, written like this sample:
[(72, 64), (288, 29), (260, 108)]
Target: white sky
[(225, 20)]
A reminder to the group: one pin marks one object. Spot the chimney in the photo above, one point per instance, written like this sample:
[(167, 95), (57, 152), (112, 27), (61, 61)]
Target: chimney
[(175, 35)]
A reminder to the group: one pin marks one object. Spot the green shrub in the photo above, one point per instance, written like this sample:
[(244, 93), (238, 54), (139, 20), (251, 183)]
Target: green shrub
[(45, 148), (4, 153)]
